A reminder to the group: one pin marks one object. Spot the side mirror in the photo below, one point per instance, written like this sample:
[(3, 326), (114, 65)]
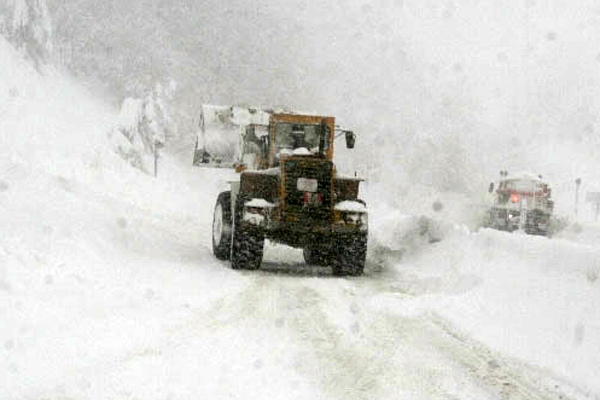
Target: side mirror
[(264, 144), (491, 188), (323, 137), (350, 139)]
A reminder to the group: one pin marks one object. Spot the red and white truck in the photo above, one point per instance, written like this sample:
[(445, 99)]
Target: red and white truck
[(521, 202)]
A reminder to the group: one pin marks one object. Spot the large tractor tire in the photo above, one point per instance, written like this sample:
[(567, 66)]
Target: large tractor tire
[(222, 227), (318, 255), (351, 255), (247, 244)]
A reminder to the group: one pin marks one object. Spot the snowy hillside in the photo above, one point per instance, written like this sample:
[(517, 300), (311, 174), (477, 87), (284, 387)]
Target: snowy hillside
[(109, 288)]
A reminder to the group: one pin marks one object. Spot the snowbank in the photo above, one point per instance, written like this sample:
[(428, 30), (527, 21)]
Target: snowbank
[(533, 298), (88, 243)]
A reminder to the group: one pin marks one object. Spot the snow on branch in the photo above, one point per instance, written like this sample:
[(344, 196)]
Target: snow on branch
[(143, 126)]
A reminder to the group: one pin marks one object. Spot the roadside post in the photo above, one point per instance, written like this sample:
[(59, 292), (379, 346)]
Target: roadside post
[(594, 197), (577, 185)]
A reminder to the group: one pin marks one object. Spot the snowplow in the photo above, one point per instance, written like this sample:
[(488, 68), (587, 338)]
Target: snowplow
[(522, 202), (287, 188)]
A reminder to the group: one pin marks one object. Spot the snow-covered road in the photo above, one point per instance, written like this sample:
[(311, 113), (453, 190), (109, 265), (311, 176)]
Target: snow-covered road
[(116, 299), (328, 338)]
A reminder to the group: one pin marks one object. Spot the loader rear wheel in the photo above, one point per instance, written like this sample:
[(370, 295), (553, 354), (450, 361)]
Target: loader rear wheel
[(320, 256), (247, 244), (351, 255), (221, 227)]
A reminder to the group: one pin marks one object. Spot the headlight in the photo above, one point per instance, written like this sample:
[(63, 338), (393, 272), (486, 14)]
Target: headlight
[(256, 215), (351, 218), (355, 218), (256, 210)]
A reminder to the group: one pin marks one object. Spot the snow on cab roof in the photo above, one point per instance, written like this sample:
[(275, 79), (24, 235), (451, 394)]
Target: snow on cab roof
[(242, 115), (529, 176)]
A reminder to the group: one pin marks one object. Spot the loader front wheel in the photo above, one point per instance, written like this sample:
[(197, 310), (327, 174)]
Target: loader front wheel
[(221, 227), (247, 244)]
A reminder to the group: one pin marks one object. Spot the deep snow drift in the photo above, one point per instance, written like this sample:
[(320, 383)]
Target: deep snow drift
[(109, 288)]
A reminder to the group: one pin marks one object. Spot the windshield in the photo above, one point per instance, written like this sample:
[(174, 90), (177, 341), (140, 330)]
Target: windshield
[(297, 138), (522, 185)]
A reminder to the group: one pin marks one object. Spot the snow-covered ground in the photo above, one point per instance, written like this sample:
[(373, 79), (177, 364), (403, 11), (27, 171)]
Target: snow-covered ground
[(109, 290)]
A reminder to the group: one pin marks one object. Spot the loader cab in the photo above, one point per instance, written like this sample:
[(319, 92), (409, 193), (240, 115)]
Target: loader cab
[(300, 139), (300, 135)]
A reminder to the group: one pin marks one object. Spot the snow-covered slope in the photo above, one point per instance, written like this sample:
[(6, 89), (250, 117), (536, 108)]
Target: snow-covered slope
[(82, 235), (108, 287)]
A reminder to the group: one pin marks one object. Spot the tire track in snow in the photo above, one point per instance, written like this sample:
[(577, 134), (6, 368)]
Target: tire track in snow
[(342, 361), (374, 362), (325, 332), (506, 377)]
